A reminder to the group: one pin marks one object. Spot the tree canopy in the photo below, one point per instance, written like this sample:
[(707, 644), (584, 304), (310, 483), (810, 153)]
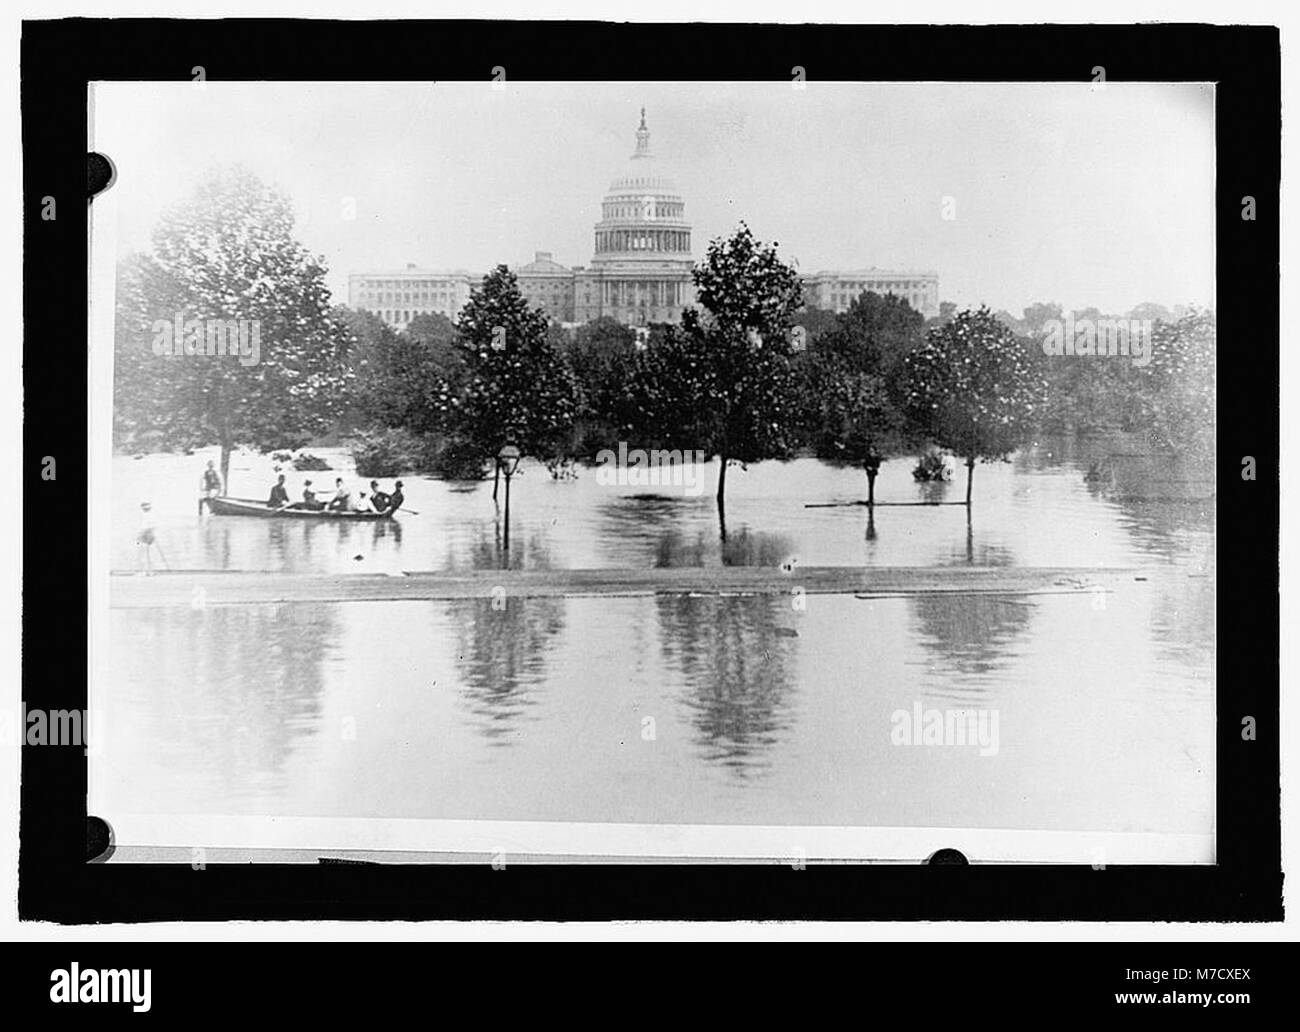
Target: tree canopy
[(972, 388), (723, 383), (226, 262), (516, 384)]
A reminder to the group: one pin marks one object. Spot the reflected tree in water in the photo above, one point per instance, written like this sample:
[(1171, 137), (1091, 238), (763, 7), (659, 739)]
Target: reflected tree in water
[(1171, 531), (638, 529), (747, 547), (502, 650), (970, 634), (486, 551), (645, 528), (1184, 621), (735, 657), (235, 688)]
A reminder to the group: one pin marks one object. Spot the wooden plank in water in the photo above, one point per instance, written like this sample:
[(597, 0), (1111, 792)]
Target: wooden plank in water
[(198, 588)]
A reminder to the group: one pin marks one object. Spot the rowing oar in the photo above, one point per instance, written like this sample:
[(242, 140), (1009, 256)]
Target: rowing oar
[(411, 511), (158, 545)]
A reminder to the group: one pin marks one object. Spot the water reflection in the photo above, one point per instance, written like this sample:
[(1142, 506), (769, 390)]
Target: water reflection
[(735, 658), (1038, 506), (1170, 531), (235, 689), (969, 637), (745, 547), (293, 545), (383, 531), (483, 549), (214, 545), (672, 532), (502, 649), (641, 527)]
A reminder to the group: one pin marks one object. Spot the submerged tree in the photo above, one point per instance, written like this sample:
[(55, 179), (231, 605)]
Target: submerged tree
[(972, 389), (723, 383), (225, 334), (856, 420), (853, 389), (516, 385)]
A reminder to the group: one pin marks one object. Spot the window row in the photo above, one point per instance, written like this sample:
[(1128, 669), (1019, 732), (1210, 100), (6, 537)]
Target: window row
[(664, 240)]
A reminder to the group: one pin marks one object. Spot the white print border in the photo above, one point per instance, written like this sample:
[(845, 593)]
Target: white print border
[(485, 840)]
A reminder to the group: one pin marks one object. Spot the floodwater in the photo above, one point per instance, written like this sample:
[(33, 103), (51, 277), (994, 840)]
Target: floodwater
[(1098, 710)]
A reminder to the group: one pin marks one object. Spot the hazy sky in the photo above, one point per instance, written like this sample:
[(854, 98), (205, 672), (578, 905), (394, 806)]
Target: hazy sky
[(1061, 192)]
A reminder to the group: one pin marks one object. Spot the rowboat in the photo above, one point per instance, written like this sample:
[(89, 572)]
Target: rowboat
[(253, 507)]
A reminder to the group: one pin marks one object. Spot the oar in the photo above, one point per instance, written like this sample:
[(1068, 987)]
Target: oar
[(411, 511), (158, 545)]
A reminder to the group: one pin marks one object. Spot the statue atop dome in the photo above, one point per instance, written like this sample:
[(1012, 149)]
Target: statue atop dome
[(642, 139)]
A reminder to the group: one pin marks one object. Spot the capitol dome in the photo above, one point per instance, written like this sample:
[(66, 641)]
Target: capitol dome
[(643, 216)]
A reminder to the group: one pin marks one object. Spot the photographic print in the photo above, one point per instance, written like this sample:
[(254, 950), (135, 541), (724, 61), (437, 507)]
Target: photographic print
[(769, 471)]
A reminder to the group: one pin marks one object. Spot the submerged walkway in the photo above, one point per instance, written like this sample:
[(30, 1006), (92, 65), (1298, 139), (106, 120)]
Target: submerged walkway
[(194, 588)]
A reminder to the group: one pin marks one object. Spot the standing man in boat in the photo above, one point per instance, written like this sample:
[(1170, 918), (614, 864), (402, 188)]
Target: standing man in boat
[(279, 494), (378, 498), (209, 485), (396, 499)]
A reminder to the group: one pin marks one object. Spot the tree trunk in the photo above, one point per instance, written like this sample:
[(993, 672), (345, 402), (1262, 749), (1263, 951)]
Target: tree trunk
[(871, 484), (496, 481), (722, 496), (970, 472)]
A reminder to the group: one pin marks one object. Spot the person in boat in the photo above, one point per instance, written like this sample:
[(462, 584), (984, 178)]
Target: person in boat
[(209, 485), (342, 500), (395, 499), (309, 498), (279, 494), (378, 499)]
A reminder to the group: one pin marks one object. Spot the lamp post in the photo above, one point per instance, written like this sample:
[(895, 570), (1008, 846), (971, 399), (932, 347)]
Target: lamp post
[(507, 462)]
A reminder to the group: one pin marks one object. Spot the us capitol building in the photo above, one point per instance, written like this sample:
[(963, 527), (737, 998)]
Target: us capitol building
[(640, 270)]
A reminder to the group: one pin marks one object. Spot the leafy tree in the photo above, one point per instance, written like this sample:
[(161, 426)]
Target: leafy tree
[(1151, 310), (972, 389), (600, 353), (1176, 398), (856, 420), (145, 294), (723, 383), (226, 254), (370, 389), (401, 380), (436, 335), (516, 385), (853, 383), (1037, 316), (816, 322)]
